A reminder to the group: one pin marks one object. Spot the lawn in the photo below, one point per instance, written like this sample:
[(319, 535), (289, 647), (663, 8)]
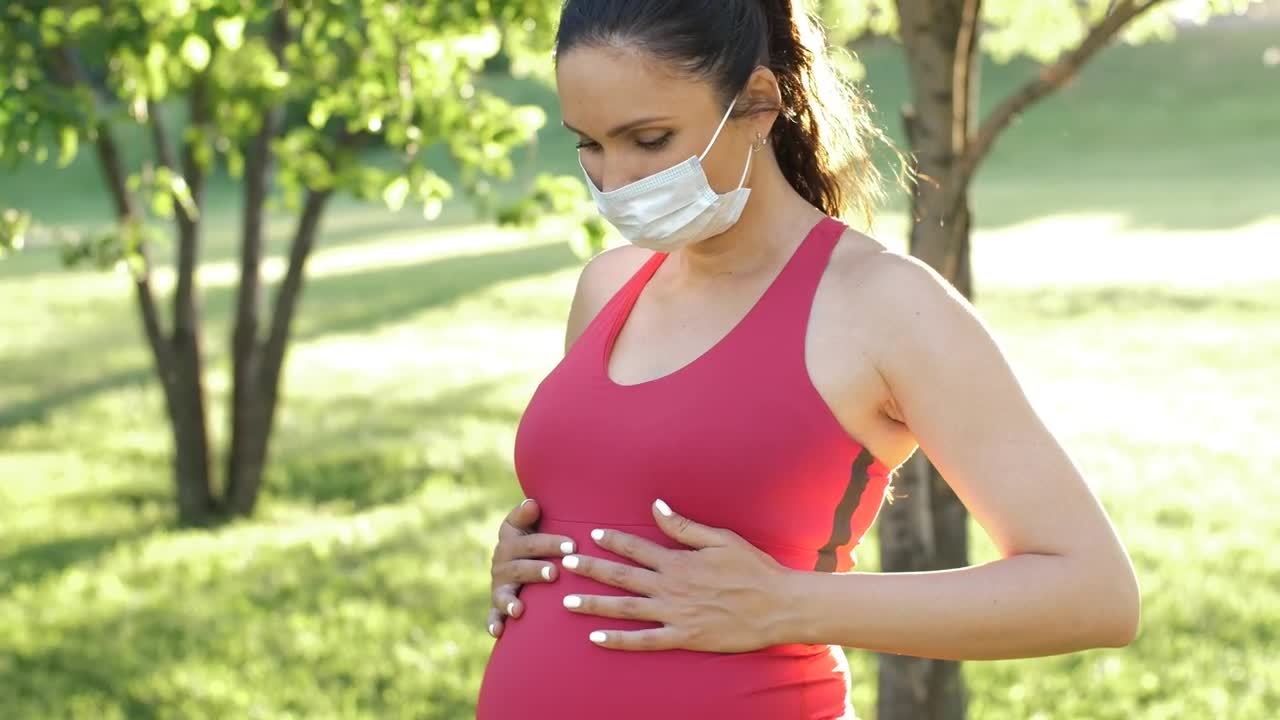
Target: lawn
[(1128, 259)]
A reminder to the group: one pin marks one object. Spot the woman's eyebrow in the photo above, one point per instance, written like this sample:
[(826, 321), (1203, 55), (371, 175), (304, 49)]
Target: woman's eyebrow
[(624, 127)]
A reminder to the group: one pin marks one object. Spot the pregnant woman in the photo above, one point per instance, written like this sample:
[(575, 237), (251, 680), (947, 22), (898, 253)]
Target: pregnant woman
[(740, 380)]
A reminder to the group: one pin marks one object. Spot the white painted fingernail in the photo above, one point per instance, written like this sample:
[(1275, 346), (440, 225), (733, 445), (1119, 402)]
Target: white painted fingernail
[(566, 547), (493, 630), (597, 534), (572, 601), (597, 637), (570, 561), (663, 507), (511, 608), (546, 572)]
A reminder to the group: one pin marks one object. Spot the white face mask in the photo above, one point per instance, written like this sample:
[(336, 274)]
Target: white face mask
[(674, 207)]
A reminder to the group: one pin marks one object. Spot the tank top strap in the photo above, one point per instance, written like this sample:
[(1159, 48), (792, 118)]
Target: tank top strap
[(782, 316), (613, 311)]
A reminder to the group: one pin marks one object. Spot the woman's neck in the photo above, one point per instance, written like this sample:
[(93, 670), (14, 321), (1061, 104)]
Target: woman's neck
[(775, 218)]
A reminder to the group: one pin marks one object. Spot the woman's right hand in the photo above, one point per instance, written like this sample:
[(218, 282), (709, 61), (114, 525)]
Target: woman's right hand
[(512, 568)]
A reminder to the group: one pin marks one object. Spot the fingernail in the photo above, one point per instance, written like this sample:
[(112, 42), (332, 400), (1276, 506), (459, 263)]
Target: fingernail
[(572, 601), (663, 507), (597, 637), (493, 630), (570, 561), (566, 547), (546, 572), (526, 502), (511, 608), (597, 534)]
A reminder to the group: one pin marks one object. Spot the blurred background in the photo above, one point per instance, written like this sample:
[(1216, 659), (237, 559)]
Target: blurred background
[(276, 286)]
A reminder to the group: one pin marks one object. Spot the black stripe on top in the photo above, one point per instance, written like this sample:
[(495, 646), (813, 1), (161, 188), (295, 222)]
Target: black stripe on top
[(841, 532)]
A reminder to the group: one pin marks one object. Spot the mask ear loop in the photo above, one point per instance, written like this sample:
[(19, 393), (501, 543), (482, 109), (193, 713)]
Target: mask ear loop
[(723, 120), (751, 151)]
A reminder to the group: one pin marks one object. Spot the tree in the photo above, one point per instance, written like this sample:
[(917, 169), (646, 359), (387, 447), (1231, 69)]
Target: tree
[(364, 74), (948, 142)]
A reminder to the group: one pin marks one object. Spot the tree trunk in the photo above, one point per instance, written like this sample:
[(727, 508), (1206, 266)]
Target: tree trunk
[(196, 503), (927, 528), (175, 361), (251, 410), (247, 429), (250, 455), (183, 401)]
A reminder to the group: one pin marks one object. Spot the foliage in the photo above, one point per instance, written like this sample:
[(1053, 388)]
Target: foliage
[(14, 226), (401, 74), (1040, 30)]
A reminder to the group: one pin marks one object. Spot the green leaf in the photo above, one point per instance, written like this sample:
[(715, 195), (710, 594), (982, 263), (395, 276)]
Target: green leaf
[(182, 192), (162, 204), (84, 18), (396, 192), (235, 162), (432, 208), (318, 116), (230, 31), (196, 52), (14, 225), (530, 119), (68, 143), (157, 54)]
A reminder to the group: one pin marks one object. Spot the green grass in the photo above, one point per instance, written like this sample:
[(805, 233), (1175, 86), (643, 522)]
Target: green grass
[(1132, 275)]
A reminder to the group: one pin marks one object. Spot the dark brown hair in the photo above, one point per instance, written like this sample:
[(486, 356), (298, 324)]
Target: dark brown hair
[(824, 127)]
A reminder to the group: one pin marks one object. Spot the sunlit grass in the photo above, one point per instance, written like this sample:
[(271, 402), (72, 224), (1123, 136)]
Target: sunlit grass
[(359, 590)]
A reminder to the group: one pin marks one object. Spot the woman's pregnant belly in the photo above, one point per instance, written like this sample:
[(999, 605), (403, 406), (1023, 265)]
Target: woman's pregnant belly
[(544, 667)]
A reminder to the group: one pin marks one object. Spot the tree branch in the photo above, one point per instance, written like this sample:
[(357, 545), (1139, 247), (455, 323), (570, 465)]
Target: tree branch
[(286, 300), (247, 388), (184, 300), (962, 69), (65, 69), (160, 136), (1050, 79), (245, 341), (300, 249)]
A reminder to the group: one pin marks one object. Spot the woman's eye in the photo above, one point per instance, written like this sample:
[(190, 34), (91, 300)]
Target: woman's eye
[(654, 144), (586, 145)]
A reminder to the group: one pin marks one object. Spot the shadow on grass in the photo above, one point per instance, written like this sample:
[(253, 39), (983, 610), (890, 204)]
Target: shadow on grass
[(137, 500), (334, 462), (320, 628), (34, 563), (349, 455), (364, 301), (38, 409), (358, 302), (1060, 303)]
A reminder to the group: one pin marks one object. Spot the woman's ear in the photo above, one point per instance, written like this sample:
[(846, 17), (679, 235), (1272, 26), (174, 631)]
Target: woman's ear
[(764, 99)]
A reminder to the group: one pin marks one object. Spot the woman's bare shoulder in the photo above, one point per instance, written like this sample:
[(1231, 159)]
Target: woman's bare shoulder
[(889, 304), (600, 279), (894, 286)]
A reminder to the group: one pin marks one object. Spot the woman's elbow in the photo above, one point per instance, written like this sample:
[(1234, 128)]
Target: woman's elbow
[(1125, 610)]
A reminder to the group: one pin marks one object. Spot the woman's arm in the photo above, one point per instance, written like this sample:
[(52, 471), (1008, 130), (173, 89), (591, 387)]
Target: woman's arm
[(1064, 583)]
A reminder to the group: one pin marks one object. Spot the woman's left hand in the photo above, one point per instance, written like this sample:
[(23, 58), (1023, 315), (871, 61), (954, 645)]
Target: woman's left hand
[(722, 596)]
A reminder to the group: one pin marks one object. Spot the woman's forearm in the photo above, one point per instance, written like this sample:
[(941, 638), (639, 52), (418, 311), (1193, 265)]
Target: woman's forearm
[(1026, 605)]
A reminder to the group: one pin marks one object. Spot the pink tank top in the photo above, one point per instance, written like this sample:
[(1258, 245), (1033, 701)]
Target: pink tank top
[(739, 438)]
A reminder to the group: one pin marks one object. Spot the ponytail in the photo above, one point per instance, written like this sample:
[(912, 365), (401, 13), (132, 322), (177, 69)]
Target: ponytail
[(821, 137)]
